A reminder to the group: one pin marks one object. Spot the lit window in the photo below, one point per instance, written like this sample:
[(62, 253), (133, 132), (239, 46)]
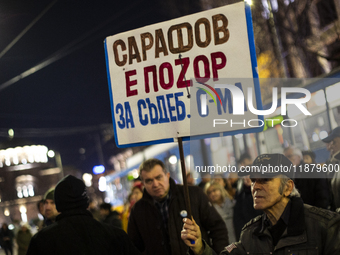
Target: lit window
[(19, 192)]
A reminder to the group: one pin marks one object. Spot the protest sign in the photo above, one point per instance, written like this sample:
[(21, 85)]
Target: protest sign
[(149, 71)]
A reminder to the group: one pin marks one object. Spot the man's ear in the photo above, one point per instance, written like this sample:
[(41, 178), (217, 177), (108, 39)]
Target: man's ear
[(289, 188), (168, 174)]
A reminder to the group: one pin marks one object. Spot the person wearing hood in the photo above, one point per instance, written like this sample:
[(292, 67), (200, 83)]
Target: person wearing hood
[(75, 231)]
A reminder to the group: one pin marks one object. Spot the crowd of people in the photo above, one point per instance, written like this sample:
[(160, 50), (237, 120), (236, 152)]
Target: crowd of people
[(257, 213), (22, 237), (299, 210)]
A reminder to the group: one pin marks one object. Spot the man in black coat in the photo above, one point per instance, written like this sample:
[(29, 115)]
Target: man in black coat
[(333, 146), (243, 209), (75, 231), (6, 239), (155, 221), (311, 185), (108, 216)]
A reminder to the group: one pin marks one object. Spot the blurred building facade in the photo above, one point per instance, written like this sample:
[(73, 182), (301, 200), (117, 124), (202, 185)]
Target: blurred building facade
[(26, 173)]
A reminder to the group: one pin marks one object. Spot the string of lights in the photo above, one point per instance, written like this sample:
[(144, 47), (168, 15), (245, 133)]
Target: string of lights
[(53, 132)]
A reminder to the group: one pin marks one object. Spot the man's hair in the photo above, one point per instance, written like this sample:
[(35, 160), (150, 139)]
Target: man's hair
[(243, 157), (105, 206), (296, 151), (284, 180), (42, 201), (149, 164), (310, 153)]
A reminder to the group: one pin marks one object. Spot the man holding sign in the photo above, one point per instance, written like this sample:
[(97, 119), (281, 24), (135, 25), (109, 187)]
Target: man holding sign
[(153, 101), (288, 226), (155, 221)]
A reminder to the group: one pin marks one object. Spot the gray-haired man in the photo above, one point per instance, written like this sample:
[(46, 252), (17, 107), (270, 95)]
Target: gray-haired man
[(287, 225)]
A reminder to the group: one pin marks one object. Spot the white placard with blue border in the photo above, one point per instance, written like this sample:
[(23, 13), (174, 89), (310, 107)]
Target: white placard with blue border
[(154, 97)]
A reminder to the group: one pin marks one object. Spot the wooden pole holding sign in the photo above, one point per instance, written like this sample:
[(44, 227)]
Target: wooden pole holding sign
[(185, 183), (148, 104)]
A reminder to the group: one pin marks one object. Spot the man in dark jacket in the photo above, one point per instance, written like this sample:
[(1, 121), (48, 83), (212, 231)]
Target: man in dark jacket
[(333, 165), (243, 209), (6, 239), (155, 221), (108, 216), (287, 225), (75, 232), (314, 191)]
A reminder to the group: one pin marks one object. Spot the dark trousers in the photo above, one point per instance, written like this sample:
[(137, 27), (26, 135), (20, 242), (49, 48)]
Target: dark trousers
[(7, 246)]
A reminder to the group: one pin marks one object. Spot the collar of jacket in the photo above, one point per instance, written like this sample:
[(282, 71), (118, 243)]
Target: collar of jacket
[(296, 225), (73, 213), (48, 222), (147, 197)]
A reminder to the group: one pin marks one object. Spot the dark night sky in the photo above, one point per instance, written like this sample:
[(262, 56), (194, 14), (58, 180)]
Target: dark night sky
[(71, 93)]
